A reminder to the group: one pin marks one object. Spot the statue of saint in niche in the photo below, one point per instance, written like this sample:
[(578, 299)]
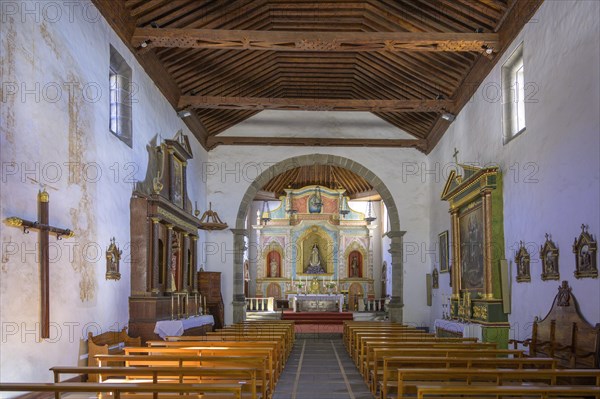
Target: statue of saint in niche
[(314, 263), (274, 266)]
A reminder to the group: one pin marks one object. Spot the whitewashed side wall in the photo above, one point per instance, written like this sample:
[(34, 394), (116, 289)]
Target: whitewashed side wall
[(551, 171), (235, 168), (54, 124)]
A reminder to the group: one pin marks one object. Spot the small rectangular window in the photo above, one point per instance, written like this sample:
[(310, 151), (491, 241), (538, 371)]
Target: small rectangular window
[(513, 90), (120, 97)]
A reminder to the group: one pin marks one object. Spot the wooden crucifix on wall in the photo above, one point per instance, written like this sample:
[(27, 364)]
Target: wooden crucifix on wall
[(45, 229)]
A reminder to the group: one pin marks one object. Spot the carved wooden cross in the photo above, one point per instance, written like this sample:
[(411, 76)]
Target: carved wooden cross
[(45, 229)]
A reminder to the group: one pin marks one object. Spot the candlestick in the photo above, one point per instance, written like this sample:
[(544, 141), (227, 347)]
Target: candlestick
[(204, 308), (172, 305)]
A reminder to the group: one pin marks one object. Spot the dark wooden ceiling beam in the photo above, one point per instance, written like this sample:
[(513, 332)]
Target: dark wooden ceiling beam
[(147, 38), (303, 104), (214, 141)]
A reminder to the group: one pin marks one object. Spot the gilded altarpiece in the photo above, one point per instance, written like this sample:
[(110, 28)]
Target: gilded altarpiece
[(475, 198), (314, 246)]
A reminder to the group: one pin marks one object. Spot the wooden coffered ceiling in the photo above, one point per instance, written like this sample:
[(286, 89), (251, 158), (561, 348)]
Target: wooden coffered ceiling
[(405, 61), (320, 175)]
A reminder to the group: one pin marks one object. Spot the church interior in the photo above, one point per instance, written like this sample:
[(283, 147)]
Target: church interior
[(266, 190)]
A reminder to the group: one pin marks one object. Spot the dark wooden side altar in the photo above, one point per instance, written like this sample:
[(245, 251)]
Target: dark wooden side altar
[(164, 235)]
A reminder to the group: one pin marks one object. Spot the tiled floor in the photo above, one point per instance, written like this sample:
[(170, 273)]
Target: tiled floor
[(320, 369)]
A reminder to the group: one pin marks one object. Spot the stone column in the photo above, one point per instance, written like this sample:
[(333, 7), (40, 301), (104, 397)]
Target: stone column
[(456, 265), (239, 300), (397, 300), (154, 260)]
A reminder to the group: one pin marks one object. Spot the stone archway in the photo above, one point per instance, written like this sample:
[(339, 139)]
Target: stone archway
[(395, 234)]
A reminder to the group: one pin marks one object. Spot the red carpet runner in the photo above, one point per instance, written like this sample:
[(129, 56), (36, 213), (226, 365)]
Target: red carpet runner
[(317, 317)]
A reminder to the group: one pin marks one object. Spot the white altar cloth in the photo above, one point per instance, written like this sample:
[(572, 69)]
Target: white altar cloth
[(468, 330), (317, 297), (175, 328)]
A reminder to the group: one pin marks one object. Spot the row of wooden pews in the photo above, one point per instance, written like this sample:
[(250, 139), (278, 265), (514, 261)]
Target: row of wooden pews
[(399, 361), (241, 361)]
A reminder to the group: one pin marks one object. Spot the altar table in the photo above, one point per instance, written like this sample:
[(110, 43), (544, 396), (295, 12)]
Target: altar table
[(175, 328), (454, 328), (316, 302)]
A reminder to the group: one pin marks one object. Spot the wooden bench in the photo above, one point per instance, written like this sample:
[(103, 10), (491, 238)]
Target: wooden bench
[(469, 391), (565, 334), (410, 379), (374, 370), (388, 380), (222, 350), (209, 390), (106, 343), (366, 356), (231, 375), (259, 363)]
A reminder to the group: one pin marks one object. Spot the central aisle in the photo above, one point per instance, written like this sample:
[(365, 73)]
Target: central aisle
[(320, 369)]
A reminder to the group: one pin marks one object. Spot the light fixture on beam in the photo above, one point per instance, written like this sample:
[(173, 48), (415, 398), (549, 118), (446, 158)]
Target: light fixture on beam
[(184, 113), (344, 210), (448, 116), (289, 203)]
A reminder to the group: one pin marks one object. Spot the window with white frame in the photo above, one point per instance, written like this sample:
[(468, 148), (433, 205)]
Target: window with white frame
[(120, 97), (513, 90)]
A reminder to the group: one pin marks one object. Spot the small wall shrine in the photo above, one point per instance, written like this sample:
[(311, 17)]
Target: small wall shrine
[(164, 235), (314, 243)]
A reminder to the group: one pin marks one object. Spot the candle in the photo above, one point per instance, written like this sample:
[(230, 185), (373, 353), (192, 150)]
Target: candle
[(204, 304), (172, 304)]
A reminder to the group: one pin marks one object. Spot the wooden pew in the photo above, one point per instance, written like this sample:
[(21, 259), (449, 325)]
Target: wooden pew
[(388, 379), (250, 342), (214, 350), (374, 371), (212, 391), (410, 379), (440, 344), (258, 363), (156, 375), (470, 391)]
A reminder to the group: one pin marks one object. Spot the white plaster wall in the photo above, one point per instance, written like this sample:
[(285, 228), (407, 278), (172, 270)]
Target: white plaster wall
[(551, 171), (42, 130), (234, 168)]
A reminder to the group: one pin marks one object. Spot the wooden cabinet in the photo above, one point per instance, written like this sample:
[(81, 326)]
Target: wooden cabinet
[(209, 285)]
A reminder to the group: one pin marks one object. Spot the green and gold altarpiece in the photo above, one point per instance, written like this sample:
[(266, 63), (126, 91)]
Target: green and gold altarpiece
[(476, 210)]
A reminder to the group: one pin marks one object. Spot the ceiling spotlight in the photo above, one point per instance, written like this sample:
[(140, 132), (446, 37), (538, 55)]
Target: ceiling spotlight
[(479, 30), (439, 97), (184, 113), (154, 24), (144, 44), (448, 116), (488, 50)]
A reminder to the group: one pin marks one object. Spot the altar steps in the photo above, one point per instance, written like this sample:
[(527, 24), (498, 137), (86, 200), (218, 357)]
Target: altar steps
[(318, 318)]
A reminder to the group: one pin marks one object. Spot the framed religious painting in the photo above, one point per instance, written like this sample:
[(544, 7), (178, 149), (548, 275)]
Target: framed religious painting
[(522, 260), (477, 229), (549, 257), (443, 254), (585, 249)]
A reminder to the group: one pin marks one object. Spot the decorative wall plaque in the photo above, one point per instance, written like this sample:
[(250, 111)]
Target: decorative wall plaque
[(435, 283), (113, 256), (585, 249), (522, 260), (443, 241), (549, 257)]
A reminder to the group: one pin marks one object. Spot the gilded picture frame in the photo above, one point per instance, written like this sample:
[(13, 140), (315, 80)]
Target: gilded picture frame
[(444, 257), (523, 261), (585, 249), (549, 257)]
